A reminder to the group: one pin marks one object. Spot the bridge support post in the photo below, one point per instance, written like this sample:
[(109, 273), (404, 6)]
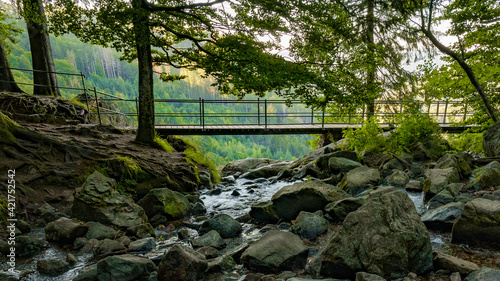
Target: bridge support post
[(258, 110), (97, 105), (445, 109), (265, 113), (201, 118)]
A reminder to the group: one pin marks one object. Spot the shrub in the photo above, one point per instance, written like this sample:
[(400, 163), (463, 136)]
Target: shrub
[(162, 143), (467, 141), (367, 137), (193, 155)]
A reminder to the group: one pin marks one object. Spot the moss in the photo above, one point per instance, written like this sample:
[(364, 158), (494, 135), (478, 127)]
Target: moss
[(6, 127), (3, 210), (133, 169), (162, 143), (192, 155)]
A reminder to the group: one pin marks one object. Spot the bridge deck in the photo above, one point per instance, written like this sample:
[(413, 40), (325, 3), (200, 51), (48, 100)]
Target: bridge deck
[(270, 129)]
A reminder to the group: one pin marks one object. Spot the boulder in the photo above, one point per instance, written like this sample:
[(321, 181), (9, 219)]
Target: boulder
[(124, 268), (398, 178), (442, 198), (308, 196), (245, 165), (442, 218), (266, 171), (480, 222), (87, 274), (211, 239), (365, 276), (340, 209), (342, 165), (208, 252), (99, 231), (220, 264), (485, 274), (491, 141), (97, 200), (106, 246), (487, 176), (205, 180), (310, 225), (453, 264), (438, 179), (461, 162), (385, 236), (225, 225), (163, 201), (64, 230), (181, 263), (358, 179), (52, 267), (28, 245), (276, 251), (142, 245), (414, 186), (264, 213)]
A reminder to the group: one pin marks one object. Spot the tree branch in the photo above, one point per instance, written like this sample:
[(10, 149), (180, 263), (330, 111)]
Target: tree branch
[(155, 8)]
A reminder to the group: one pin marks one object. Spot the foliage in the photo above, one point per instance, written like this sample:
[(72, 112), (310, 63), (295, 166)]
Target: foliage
[(3, 209), (193, 155), (367, 137), (6, 127), (162, 143), (127, 187), (132, 167), (467, 141)]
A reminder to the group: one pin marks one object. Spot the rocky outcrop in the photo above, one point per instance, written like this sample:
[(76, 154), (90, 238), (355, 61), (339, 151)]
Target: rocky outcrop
[(307, 196), (181, 264), (242, 166), (266, 171), (65, 230), (163, 201), (310, 225), (384, 236), (453, 264), (491, 141), (342, 165), (224, 224), (52, 267), (359, 179), (461, 162), (340, 209), (276, 251), (480, 222), (97, 200), (442, 218), (438, 179), (124, 268), (487, 176), (398, 178), (99, 231)]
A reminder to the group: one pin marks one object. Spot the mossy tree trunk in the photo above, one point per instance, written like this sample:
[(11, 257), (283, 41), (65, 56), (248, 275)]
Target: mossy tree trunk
[(7, 82)]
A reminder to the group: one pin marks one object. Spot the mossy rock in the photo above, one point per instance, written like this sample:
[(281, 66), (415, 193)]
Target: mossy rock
[(164, 201)]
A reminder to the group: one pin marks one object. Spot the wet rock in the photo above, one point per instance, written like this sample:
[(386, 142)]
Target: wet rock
[(480, 222), (453, 264), (437, 180), (124, 268), (88, 247), (208, 252), (48, 213), (198, 209), (71, 259), (225, 225), (245, 165), (228, 180), (235, 193), (461, 162), (414, 186), (107, 246), (224, 263), (52, 267), (487, 176), (308, 196), (211, 239), (79, 243), (8, 277), (485, 274), (365, 276), (65, 230), (389, 166), (442, 198), (357, 180), (205, 180), (142, 245), (163, 201), (99, 231), (28, 245), (385, 236), (97, 200), (491, 141), (310, 225), (398, 178), (181, 263), (87, 274), (124, 240), (266, 171), (276, 251), (264, 213), (342, 165), (340, 209), (443, 217), (23, 226)]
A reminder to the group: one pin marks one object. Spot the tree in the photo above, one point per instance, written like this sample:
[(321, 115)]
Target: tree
[(7, 31), (476, 24), (187, 35), (44, 76)]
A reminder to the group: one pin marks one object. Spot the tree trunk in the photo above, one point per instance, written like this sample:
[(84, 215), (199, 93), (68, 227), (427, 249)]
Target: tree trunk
[(372, 69), (7, 82), (466, 68), (146, 131), (44, 76)]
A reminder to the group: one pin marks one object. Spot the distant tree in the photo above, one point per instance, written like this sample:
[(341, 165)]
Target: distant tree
[(7, 35)]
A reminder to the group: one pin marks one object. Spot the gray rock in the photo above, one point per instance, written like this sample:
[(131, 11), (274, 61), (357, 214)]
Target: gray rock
[(52, 267), (64, 230), (310, 225), (163, 201), (442, 218), (339, 210), (99, 231), (107, 246), (142, 245), (220, 264), (71, 259), (491, 141), (453, 264), (414, 186), (485, 274), (97, 200), (208, 252), (48, 213), (8, 277), (342, 165), (225, 225), (365, 276), (245, 165), (486, 177), (87, 274), (276, 251), (442, 198), (398, 178), (437, 180), (205, 180), (461, 162), (28, 245), (264, 213), (385, 236), (198, 209), (359, 179), (23, 226), (211, 238), (124, 268), (308, 196), (480, 222), (266, 171), (182, 263)]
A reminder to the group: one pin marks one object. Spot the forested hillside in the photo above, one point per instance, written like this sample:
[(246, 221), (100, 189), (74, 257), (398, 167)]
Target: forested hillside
[(104, 70)]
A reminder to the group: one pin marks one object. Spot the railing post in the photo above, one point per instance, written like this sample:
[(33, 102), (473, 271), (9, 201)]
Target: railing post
[(465, 113), (201, 118), (258, 110), (312, 116), (137, 107), (437, 109), (363, 115), (323, 119), (97, 105), (445, 109), (349, 117), (265, 113), (203, 114), (85, 91)]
